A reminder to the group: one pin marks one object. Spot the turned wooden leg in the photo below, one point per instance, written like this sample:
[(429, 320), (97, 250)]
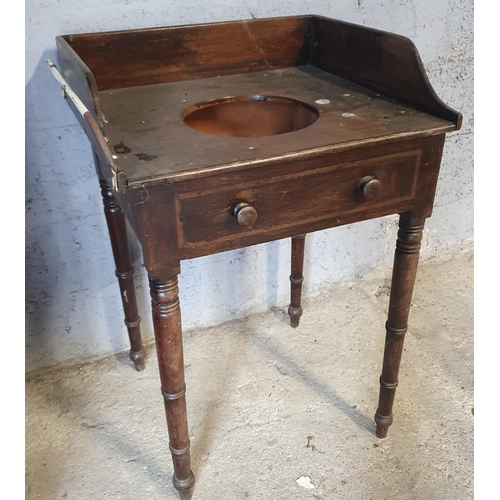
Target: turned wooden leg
[(296, 279), (403, 279), (168, 334), (124, 272)]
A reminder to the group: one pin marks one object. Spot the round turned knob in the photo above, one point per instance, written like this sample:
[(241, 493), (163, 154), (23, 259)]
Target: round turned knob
[(245, 214), (369, 187)]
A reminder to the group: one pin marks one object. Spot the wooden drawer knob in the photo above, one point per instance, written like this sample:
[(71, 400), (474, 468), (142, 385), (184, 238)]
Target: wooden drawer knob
[(245, 214), (369, 187)]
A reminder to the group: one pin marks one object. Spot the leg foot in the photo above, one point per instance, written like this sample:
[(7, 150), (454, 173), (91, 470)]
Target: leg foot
[(296, 279), (403, 279), (139, 359), (295, 313), (383, 424), (185, 488)]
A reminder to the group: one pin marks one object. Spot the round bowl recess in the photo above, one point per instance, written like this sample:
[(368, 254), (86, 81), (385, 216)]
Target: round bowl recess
[(250, 116)]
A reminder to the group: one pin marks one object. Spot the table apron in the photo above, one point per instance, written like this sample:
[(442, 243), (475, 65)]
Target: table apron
[(287, 205)]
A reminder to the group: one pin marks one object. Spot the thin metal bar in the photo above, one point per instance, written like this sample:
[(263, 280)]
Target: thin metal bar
[(67, 90)]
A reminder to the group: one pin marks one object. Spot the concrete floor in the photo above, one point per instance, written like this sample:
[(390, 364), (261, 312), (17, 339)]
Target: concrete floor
[(275, 413)]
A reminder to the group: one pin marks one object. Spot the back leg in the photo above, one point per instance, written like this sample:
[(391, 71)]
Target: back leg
[(296, 279), (124, 272)]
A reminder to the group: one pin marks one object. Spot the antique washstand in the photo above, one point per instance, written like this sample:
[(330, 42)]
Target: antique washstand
[(213, 137)]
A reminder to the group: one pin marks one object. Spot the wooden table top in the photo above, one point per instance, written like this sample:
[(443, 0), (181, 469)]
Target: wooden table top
[(153, 144)]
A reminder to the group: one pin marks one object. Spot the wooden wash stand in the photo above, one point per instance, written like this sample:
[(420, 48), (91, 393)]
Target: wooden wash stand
[(213, 137)]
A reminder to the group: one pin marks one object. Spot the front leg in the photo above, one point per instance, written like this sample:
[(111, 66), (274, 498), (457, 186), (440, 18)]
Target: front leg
[(168, 335), (403, 279)]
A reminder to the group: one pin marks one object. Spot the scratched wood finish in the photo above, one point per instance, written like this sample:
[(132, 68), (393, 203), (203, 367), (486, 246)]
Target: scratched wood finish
[(80, 77), (349, 116), (331, 191), (381, 61), (178, 187), (308, 58), (194, 218), (158, 55)]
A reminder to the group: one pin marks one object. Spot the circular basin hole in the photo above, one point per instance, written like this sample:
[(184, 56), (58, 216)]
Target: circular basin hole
[(250, 116)]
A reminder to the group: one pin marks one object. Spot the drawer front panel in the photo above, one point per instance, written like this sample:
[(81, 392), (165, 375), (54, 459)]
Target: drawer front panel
[(294, 200)]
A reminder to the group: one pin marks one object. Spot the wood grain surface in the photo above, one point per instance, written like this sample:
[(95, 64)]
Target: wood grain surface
[(153, 144)]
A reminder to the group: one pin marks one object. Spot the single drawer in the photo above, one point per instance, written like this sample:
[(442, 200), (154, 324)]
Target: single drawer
[(295, 200)]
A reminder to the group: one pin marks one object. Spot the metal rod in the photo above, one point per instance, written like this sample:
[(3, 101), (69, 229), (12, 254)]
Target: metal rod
[(99, 139), (67, 90)]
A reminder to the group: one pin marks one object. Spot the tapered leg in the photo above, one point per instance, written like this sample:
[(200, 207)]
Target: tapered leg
[(124, 272), (403, 279), (296, 279), (168, 334)]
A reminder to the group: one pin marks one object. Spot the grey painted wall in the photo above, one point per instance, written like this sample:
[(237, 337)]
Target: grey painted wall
[(73, 306)]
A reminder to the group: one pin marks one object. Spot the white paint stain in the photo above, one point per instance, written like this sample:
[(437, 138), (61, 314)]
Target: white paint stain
[(322, 101), (305, 482), (348, 115)]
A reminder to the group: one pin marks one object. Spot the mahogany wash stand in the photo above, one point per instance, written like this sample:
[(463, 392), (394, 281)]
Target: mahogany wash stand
[(212, 137)]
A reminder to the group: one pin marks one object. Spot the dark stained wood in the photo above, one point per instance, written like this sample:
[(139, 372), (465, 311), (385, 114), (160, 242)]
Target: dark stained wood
[(124, 272), (403, 279), (353, 117), (266, 168), (206, 222), (158, 55), (428, 176), (80, 78), (224, 245), (296, 279), (156, 211), (223, 188), (168, 335), (374, 150), (378, 60), (107, 167)]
